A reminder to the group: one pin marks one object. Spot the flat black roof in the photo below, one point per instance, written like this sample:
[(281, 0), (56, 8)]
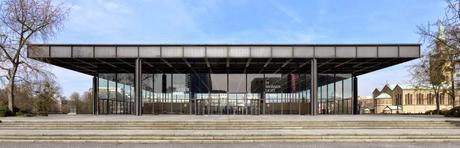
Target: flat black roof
[(222, 58)]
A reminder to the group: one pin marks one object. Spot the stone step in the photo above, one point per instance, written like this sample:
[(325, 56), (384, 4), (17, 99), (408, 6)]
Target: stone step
[(230, 123), (213, 128), (216, 122), (232, 138), (222, 125), (242, 124)]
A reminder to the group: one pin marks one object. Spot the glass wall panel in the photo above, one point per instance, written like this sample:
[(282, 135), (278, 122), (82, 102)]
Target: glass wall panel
[(147, 92), (330, 98), (107, 93), (199, 88), (300, 91), (348, 93), (180, 93), (325, 93), (344, 92), (237, 93), (286, 94), (125, 93), (217, 101), (103, 94), (158, 94), (338, 97), (121, 96), (131, 97), (112, 94), (168, 94), (255, 94), (273, 93), (324, 99)]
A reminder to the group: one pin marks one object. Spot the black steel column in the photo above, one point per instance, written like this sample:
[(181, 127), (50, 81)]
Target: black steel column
[(95, 96), (314, 87), (355, 96), (262, 96), (138, 88), (116, 94), (335, 97)]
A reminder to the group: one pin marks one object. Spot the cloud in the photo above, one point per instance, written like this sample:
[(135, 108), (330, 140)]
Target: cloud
[(302, 32), (131, 22), (296, 18)]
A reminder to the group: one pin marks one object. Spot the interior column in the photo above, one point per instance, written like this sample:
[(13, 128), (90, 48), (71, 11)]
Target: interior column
[(95, 96), (138, 88), (355, 95), (314, 87)]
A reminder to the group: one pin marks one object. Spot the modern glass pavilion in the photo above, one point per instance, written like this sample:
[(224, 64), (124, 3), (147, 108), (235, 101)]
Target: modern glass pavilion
[(224, 78)]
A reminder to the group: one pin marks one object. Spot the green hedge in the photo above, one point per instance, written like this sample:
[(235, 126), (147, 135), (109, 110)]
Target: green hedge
[(3, 110), (433, 112), (454, 112)]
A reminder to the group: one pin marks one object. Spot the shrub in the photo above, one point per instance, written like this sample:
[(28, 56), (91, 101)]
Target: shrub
[(454, 112), (22, 112), (25, 111), (429, 112), (3, 110), (3, 102), (443, 112), (433, 112), (15, 109)]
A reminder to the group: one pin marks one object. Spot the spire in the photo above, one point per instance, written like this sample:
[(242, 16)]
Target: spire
[(441, 29), (440, 38)]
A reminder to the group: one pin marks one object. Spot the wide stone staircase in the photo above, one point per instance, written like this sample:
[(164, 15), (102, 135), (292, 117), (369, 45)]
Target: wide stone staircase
[(229, 131)]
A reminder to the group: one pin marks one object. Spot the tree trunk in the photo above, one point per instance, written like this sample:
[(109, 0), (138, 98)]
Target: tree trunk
[(437, 103), (11, 96), (453, 86), (12, 88)]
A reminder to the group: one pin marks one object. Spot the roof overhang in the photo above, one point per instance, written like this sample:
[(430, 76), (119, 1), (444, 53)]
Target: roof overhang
[(222, 58)]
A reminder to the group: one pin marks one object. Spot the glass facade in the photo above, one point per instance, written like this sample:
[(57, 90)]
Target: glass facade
[(116, 93), (335, 93), (223, 93)]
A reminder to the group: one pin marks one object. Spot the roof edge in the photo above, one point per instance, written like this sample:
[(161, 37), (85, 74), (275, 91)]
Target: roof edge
[(223, 44)]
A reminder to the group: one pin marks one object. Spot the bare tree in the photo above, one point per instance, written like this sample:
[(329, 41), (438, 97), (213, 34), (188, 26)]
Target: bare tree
[(450, 39), (48, 93), (428, 72), (22, 21), (84, 106)]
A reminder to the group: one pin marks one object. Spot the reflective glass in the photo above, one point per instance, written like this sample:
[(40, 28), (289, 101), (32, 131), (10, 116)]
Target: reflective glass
[(220, 93)]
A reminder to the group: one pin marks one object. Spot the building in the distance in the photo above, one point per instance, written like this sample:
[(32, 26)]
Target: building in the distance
[(366, 104), (409, 99)]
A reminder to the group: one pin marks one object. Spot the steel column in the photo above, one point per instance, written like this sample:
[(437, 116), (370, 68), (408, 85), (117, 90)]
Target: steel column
[(95, 96), (314, 87), (138, 88), (355, 95)]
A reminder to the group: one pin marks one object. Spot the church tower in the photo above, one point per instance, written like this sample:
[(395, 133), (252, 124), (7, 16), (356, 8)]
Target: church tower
[(440, 63)]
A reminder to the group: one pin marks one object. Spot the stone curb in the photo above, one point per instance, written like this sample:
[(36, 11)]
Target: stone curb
[(236, 141)]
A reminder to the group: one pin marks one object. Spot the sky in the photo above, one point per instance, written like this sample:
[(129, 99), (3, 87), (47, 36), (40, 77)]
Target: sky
[(247, 21)]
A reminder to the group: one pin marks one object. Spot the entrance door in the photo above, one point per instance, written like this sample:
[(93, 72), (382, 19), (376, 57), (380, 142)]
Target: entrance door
[(220, 104)]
